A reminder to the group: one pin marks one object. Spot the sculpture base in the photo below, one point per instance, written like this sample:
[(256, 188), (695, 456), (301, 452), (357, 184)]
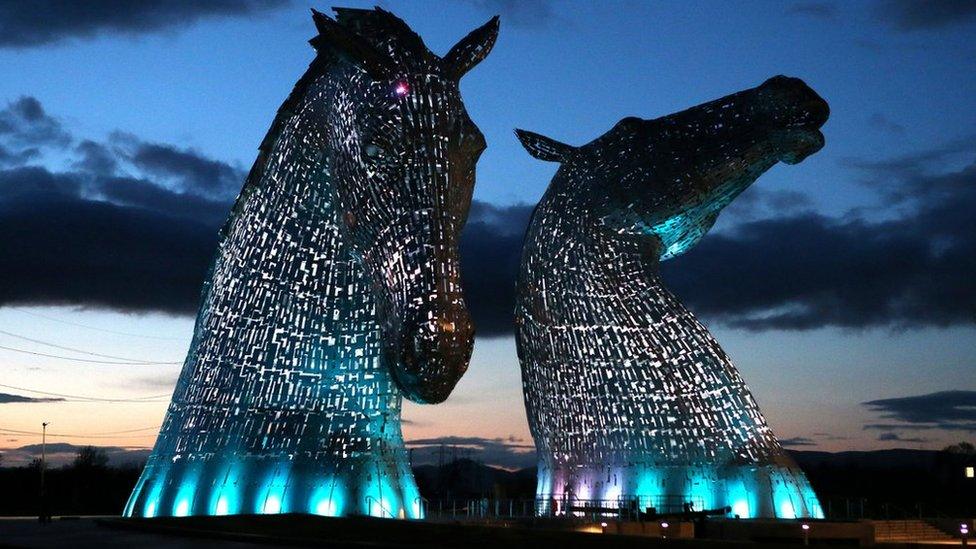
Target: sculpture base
[(368, 485), (750, 491)]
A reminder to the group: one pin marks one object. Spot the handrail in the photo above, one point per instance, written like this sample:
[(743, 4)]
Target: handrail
[(422, 504), (382, 507)]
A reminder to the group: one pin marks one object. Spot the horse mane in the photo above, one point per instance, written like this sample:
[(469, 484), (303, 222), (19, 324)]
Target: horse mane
[(383, 30)]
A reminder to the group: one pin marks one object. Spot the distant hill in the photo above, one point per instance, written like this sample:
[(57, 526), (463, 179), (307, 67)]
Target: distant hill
[(895, 483), (882, 459), (466, 478)]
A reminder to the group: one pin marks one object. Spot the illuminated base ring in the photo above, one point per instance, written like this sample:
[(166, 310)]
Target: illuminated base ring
[(264, 485), (771, 491)]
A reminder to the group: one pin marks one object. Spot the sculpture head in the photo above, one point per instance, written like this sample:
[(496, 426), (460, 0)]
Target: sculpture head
[(401, 152), (668, 178)]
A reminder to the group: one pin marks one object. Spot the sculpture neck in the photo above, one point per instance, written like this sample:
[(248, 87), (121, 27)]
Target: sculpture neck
[(581, 251)]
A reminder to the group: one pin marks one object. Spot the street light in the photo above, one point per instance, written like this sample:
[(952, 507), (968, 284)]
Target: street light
[(964, 530), (42, 517), (806, 533), (664, 529)]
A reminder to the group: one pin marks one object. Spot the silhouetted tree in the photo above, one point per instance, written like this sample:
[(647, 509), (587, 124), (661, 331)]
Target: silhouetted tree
[(90, 457), (965, 448)]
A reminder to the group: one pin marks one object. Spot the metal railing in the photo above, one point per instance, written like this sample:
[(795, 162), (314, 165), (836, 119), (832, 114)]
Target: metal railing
[(623, 508), (387, 513)]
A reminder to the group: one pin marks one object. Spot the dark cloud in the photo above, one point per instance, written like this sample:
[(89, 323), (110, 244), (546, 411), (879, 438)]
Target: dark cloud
[(817, 10), (919, 15), (911, 271), (829, 436), (880, 172), (519, 13), (149, 195), (132, 226), (59, 248), (797, 441), (491, 247), (508, 453), (882, 123), (96, 158), (6, 398), (945, 410), (16, 158), (895, 437), (25, 123), (759, 203), (39, 22), (184, 169)]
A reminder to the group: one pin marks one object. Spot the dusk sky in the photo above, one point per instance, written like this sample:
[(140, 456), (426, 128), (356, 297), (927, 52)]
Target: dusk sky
[(844, 288)]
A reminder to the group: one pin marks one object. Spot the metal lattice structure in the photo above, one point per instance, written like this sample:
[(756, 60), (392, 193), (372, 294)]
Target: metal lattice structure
[(628, 396), (335, 289)]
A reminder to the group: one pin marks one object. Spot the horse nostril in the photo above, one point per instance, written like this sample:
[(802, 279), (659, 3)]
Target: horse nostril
[(447, 326)]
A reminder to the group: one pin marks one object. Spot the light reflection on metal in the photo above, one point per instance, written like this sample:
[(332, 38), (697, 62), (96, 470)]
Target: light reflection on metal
[(327, 302), (629, 398)]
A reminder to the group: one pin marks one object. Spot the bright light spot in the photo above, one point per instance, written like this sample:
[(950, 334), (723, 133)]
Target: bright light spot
[(402, 88), (326, 508), (741, 508), (272, 505), (150, 509), (664, 525), (805, 526), (603, 524), (182, 508), (221, 508), (786, 510), (970, 472)]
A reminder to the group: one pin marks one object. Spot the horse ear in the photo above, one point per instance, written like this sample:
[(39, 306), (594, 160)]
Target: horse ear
[(334, 36), (545, 148), (471, 49)]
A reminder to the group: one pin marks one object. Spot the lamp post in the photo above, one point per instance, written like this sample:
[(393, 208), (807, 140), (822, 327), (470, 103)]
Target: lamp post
[(43, 514), (664, 530), (964, 531), (806, 533)]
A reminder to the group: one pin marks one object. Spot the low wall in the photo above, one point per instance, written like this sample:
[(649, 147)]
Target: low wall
[(651, 529), (951, 526), (852, 533)]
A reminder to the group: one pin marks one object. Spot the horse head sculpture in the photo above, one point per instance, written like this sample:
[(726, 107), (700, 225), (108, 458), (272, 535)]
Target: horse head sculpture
[(335, 289), (402, 152), (669, 178), (629, 398)]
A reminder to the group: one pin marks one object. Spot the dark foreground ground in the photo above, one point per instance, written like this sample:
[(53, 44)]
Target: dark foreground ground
[(297, 530), (85, 533), (311, 531)]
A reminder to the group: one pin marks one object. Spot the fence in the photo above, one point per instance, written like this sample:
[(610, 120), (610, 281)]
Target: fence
[(624, 508)]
